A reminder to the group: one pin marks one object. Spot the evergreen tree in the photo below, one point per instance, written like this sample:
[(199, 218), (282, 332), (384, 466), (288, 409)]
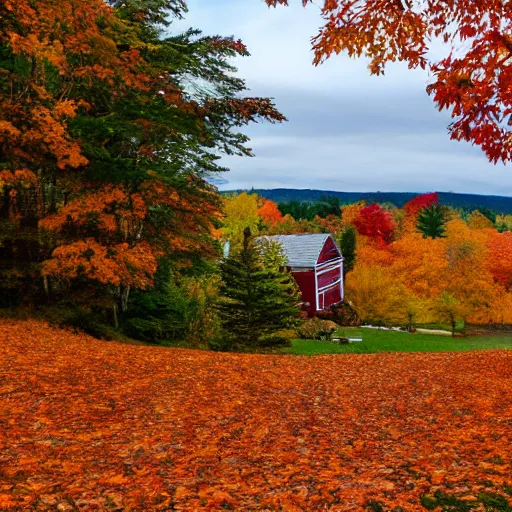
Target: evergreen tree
[(163, 313), (348, 243), (109, 130), (256, 300), (432, 221), (487, 212)]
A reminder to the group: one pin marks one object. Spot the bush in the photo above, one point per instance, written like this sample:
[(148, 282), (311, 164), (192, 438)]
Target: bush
[(163, 313), (342, 314), (221, 343), (317, 329), (74, 317), (205, 326), (273, 340), (289, 334)]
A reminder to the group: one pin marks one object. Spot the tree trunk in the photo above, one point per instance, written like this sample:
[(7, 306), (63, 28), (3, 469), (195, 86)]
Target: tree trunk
[(46, 286), (124, 295), (116, 321)]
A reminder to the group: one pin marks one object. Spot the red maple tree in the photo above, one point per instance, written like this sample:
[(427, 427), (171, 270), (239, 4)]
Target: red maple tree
[(376, 223), (418, 203)]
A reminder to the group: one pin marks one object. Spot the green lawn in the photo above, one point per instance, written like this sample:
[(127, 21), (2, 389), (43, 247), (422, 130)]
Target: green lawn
[(390, 341)]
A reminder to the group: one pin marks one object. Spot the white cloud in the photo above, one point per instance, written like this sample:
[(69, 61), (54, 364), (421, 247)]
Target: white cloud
[(347, 130)]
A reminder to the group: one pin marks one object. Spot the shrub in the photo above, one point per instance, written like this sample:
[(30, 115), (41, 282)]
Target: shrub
[(289, 334), (223, 342), (206, 326), (273, 340), (163, 313), (317, 329), (77, 318), (342, 314)]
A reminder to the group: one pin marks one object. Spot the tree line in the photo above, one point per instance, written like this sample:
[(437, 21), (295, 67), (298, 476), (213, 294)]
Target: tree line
[(423, 263)]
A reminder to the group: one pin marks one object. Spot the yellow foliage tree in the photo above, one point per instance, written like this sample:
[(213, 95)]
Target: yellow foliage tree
[(477, 220), (241, 211), (376, 295)]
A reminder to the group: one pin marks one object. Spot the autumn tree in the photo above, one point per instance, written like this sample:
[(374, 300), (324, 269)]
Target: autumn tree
[(504, 223), (449, 309), (477, 220), (376, 294), (269, 212), (419, 203), (350, 212), (471, 80), (431, 221), (376, 223), (104, 148), (467, 279), (240, 212), (500, 258), (257, 300)]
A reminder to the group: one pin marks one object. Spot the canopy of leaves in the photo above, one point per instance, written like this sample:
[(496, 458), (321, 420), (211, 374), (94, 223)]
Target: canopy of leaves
[(108, 128), (500, 258), (269, 212), (108, 426), (472, 80), (376, 223), (418, 203)]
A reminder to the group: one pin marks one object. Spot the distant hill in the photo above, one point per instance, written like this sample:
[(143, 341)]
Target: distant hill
[(499, 204)]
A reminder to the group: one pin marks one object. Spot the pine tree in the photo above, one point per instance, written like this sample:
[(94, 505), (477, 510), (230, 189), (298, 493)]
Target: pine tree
[(256, 300), (432, 222), (348, 243)]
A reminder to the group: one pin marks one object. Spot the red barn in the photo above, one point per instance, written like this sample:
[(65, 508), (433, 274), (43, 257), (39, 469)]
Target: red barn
[(316, 263)]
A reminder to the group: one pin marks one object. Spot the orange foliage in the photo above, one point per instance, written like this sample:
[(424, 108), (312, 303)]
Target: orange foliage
[(269, 212), (89, 425), (472, 80), (116, 215), (500, 258), (422, 264), (350, 212), (113, 264)]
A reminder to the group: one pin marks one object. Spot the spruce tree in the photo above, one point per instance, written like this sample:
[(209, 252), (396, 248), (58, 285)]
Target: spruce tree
[(348, 242), (256, 300), (432, 222)]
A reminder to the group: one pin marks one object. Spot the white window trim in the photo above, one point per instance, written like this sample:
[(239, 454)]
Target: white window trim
[(329, 286)]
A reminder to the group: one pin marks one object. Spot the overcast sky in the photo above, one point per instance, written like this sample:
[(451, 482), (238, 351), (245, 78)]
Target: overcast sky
[(347, 130)]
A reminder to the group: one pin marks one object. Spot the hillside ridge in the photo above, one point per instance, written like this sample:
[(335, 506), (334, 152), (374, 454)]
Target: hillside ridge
[(500, 204)]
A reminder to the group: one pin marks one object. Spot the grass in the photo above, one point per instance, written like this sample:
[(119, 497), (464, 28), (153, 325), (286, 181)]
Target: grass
[(391, 341)]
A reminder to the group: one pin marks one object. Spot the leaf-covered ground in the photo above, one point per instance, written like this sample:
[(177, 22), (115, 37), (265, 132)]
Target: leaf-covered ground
[(90, 425)]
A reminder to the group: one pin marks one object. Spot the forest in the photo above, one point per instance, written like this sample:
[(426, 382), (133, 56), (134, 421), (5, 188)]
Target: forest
[(423, 263), (110, 129), (499, 204)]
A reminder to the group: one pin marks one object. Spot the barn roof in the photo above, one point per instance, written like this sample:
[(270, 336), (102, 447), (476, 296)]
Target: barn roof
[(301, 250)]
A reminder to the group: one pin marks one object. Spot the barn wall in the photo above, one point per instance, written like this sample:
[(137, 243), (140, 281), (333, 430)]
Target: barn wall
[(328, 277), (332, 296), (329, 252), (306, 282)]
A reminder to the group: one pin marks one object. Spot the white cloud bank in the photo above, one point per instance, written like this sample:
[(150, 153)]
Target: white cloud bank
[(347, 131)]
